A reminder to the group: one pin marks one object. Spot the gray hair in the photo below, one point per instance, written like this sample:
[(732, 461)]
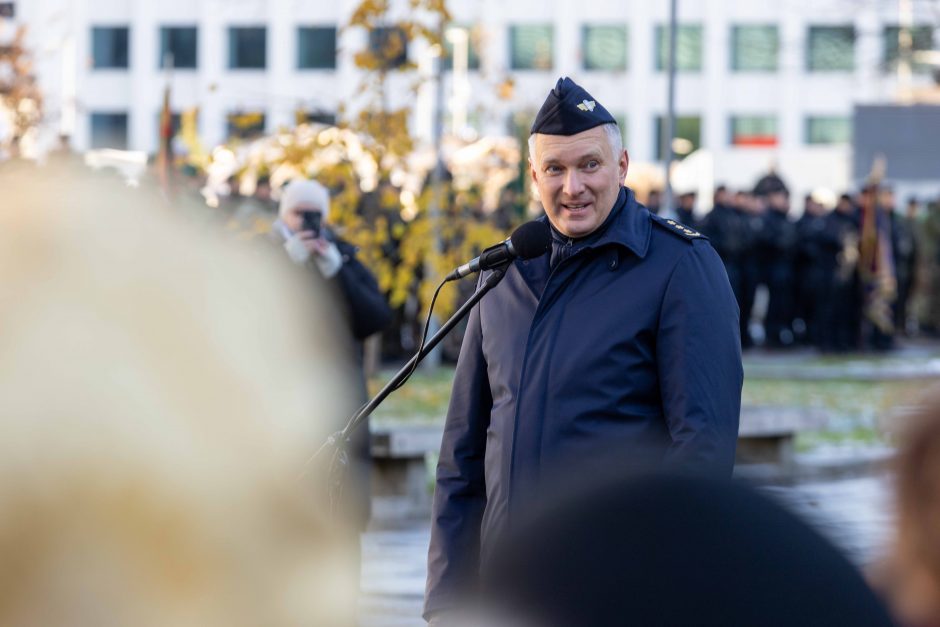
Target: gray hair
[(611, 129)]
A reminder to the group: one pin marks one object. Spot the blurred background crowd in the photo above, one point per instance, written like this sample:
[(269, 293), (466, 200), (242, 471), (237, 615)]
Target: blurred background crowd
[(848, 277)]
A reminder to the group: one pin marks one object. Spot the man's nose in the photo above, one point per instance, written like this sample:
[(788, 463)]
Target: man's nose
[(573, 185)]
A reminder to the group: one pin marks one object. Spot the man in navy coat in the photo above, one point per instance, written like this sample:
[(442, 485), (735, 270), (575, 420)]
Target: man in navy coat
[(618, 351)]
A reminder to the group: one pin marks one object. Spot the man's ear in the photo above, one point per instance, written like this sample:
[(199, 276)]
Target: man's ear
[(624, 165), (532, 172)]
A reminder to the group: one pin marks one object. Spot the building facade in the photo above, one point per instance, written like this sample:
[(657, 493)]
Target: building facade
[(761, 83)]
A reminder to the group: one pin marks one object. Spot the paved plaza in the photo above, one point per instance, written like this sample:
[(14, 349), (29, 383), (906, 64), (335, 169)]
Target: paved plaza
[(853, 513)]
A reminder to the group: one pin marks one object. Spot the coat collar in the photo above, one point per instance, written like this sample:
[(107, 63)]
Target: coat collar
[(629, 226)]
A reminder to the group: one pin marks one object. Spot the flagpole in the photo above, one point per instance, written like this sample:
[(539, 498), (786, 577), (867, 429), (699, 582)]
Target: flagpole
[(164, 156)]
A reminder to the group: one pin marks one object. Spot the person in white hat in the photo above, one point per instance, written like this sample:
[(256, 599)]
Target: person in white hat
[(301, 198), (309, 241)]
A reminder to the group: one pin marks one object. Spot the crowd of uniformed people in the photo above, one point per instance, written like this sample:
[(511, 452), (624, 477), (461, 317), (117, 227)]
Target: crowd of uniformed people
[(853, 276)]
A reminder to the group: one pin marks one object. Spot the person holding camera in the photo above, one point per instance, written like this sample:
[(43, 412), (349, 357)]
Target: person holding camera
[(308, 240)]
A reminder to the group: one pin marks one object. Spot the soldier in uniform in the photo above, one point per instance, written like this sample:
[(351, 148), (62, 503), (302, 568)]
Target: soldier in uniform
[(841, 329), (904, 246), (750, 210), (724, 227), (780, 247), (685, 210), (930, 245), (817, 257)]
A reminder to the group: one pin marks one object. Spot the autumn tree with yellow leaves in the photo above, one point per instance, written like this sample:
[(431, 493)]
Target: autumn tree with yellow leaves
[(379, 176), (20, 98)]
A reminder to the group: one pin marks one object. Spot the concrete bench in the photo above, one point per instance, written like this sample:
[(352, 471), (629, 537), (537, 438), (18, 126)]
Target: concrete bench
[(401, 483), (766, 433), (400, 479)]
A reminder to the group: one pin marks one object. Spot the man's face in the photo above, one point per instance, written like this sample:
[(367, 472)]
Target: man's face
[(578, 178)]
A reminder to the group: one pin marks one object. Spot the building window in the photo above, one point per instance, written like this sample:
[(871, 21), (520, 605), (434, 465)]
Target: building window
[(390, 45), (688, 137), (244, 124), (302, 116), (688, 48), (921, 41), (109, 130), (531, 46), (753, 130), (7, 10), (830, 129), (178, 45), (754, 48), (109, 47), (247, 47), (473, 49), (316, 48), (604, 47), (831, 49), (621, 119)]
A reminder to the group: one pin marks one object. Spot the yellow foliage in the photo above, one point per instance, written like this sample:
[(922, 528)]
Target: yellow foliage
[(408, 251)]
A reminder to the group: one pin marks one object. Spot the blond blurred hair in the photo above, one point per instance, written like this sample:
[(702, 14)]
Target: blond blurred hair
[(160, 391), (911, 574)]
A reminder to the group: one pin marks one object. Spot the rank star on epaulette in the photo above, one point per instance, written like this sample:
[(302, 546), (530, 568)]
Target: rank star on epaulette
[(587, 105), (683, 228)]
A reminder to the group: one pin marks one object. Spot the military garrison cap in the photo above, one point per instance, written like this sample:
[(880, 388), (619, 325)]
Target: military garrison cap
[(568, 110)]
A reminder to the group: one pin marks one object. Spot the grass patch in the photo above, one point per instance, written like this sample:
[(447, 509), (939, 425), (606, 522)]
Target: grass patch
[(423, 399), (857, 409)]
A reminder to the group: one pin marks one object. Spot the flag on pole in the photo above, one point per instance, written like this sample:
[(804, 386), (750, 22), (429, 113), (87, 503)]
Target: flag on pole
[(165, 154)]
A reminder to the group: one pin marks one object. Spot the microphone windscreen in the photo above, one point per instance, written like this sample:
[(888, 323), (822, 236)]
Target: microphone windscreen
[(532, 239)]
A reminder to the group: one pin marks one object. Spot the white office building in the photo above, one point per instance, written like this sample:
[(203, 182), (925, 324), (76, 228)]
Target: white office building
[(760, 82)]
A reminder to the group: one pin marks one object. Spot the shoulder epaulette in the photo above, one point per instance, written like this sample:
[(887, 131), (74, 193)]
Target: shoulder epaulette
[(676, 227)]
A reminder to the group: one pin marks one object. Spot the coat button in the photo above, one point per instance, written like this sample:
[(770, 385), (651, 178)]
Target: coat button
[(613, 263)]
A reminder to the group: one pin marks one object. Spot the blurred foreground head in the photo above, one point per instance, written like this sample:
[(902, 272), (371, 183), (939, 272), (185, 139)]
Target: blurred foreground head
[(160, 392), (913, 576), (667, 551)]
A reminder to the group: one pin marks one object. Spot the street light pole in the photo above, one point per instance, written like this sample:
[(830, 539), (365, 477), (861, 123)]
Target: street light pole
[(905, 48), (667, 137), (433, 359)]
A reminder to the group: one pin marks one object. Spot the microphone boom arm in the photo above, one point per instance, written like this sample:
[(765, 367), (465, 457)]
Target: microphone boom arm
[(489, 283)]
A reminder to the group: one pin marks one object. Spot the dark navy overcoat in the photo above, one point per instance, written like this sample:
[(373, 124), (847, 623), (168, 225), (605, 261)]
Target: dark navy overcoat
[(625, 352)]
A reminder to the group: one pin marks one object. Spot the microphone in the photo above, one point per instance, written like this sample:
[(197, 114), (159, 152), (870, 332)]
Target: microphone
[(531, 240)]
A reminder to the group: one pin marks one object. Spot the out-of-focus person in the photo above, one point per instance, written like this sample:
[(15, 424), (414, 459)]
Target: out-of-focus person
[(161, 391), (904, 246), (685, 209), (350, 289), (724, 228), (654, 201), (910, 577), (842, 327), (930, 253), (780, 248), (750, 211), (309, 240), (668, 552), (817, 253)]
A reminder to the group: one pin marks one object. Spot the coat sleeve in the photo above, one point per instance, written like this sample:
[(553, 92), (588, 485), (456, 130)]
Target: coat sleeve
[(368, 311), (699, 361), (460, 492)]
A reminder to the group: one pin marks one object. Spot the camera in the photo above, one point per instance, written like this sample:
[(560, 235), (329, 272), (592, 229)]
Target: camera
[(311, 222)]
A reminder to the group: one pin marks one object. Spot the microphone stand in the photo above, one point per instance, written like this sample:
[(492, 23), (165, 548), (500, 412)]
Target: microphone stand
[(336, 443)]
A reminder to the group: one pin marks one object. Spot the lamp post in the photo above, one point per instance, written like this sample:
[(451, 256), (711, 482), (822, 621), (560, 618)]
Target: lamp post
[(670, 131)]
